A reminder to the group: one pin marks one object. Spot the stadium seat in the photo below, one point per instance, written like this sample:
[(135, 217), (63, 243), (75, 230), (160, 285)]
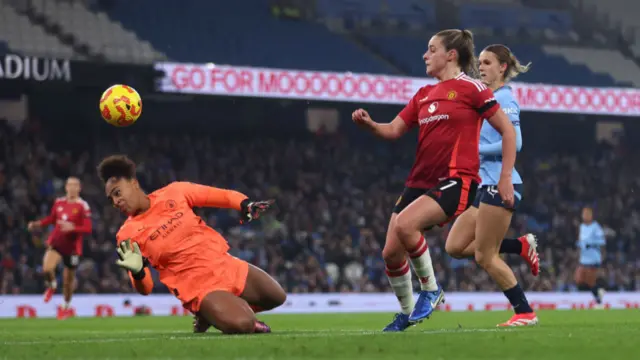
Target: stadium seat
[(488, 2), (4, 49), (418, 13), (514, 17), (96, 31), (213, 33), (547, 68), (20, 35), (620, 13), (601, 61)]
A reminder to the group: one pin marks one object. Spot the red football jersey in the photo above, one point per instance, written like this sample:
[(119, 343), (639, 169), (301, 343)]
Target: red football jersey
[(450, 116), (76, 212)]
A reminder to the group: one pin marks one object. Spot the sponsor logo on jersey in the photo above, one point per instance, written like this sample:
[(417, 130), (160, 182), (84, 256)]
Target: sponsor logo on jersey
[(168, 227), (433, 118), (433, 107), (170, 204)]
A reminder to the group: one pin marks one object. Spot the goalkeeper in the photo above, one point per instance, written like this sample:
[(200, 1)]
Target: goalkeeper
[(191, 258)]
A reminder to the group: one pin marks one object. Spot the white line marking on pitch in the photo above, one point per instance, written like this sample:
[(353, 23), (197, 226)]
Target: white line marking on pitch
[(291, 335)]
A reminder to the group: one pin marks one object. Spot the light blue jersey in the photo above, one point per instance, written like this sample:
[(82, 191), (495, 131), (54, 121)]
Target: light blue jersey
[(491, 140), (590, 242)]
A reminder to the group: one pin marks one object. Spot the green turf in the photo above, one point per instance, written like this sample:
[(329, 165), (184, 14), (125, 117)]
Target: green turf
[(561, 335)]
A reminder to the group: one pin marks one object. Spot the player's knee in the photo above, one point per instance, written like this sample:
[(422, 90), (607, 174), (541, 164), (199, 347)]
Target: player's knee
[(280, 298), (484, 259), (454, 250), (276, 299), (69, 274), (404, 229), (392, 255)]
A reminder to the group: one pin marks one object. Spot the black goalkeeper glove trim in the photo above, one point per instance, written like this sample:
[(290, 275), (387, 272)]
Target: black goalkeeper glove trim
[(244, 206), (141, 275)]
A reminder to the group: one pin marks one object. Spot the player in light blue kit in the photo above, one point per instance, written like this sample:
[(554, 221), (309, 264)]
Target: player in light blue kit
[(591, 242), (480, 230)]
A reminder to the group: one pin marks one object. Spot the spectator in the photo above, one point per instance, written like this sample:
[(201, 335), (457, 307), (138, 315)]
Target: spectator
[(333, 201)]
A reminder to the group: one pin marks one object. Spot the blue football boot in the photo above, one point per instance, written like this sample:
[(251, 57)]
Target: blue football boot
[(400, 323), (427, 302)]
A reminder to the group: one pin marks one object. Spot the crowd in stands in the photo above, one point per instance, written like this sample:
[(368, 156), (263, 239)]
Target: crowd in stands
[(333, 205)]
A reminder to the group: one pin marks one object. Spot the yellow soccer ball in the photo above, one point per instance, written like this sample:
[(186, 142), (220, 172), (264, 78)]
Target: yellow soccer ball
[(120, 105)]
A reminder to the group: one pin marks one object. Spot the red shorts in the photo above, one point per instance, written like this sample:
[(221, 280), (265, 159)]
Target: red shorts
[(223, 273), (65, 247)]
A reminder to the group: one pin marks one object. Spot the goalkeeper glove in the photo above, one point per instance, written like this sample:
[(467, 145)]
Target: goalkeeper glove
[(251, 210), (130, 258)]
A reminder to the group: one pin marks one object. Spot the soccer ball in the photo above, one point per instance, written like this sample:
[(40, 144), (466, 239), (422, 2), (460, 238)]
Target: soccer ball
[(120, 105)]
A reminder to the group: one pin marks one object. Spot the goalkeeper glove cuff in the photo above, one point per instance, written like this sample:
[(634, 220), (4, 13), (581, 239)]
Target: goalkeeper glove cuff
[(244, 205), (251, 210), (140, 274)]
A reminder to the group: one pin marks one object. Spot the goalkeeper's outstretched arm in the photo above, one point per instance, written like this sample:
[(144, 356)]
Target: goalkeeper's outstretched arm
[(142, 282), (207, 196)]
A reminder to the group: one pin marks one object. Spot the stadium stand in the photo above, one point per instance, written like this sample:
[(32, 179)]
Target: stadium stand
[(309, 46), (4, 49), (96, 31), (399, 13), (21, 36), (550, 67), (527, 28), (601, 61), (119, 33), (621, 13)]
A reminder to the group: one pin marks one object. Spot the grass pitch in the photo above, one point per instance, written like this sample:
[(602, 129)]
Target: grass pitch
[(585, 334)]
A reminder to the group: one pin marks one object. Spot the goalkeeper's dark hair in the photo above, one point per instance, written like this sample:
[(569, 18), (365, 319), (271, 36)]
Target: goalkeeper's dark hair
[(116, 166)]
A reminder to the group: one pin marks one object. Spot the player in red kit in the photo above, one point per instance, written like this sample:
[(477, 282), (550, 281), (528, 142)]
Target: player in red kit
[(71, 217), (445, 175)]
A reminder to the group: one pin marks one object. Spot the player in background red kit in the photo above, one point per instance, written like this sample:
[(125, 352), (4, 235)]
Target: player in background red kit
[(71, 217), (191, 258), (444, 177)]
